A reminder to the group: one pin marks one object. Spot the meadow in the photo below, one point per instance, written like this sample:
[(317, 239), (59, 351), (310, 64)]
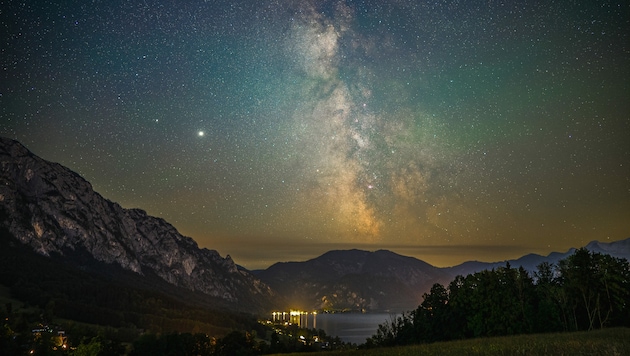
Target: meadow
[(606, 342)]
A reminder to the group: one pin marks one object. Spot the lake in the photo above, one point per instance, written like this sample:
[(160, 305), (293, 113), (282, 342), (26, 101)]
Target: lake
[(352, 327)]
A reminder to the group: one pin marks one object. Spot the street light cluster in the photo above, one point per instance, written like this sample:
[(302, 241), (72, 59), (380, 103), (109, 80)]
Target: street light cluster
[(299, 317)]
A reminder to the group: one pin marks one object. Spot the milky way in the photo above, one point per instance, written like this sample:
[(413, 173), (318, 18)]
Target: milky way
[(276, 131)]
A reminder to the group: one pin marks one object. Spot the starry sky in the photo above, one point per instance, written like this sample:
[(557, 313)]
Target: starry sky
[(278, 130)]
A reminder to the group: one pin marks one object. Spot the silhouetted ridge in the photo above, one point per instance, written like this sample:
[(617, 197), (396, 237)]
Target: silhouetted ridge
[(354, 280), (55, 211)]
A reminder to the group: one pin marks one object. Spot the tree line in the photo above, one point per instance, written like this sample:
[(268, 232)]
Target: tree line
[(16, 338), (585, 291)]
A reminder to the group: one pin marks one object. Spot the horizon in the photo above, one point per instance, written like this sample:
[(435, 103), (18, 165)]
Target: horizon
[(422, 253), (272, 131)]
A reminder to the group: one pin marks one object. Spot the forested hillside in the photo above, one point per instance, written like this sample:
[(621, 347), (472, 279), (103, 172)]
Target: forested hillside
[(585, 291)]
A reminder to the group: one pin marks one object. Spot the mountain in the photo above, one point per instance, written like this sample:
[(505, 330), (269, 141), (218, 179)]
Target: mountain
[(56, 213), (48, 210), (620, 249), (354, 280), (385, 281), (42, 289)]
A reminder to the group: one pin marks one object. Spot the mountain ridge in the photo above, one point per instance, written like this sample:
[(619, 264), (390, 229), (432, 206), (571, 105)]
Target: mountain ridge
[(54, 210), (619, 248), (355, 280), (337, 279)]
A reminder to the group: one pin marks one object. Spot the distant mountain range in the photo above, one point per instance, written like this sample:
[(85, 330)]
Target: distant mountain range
[(619, 249), (55, 213), (385, 281)]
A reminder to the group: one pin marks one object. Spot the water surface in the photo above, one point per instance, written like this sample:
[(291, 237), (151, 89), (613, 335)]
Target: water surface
[(352, 327)]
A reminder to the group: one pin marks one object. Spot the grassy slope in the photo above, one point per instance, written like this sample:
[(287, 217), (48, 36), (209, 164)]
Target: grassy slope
[(32, 283), (615, 341)]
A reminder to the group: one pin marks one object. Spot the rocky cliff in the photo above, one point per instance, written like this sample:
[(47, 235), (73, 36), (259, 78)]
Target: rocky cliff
[(55, 211)]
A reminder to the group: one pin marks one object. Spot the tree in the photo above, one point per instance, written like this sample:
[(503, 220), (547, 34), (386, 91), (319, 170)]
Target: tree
[(147, 344), (526, 296), (548, 309), (235, 343), (596, 288), (579, 285), (90, 349), (398, 331), (432, 318), (585, 290), (613, 275), (460, 303)]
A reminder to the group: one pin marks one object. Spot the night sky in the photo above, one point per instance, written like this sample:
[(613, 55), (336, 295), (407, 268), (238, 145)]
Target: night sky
[(277, 130)]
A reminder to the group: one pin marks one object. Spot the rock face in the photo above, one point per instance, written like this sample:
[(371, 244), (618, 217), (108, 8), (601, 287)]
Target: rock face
[(55, 211), (354, 280)]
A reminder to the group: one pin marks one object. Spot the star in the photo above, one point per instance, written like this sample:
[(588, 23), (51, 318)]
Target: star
[(378, 124)]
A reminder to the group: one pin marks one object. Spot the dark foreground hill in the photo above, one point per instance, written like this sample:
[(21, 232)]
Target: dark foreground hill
[(106, 295), (56, 213), (613, 341), (354, 280)]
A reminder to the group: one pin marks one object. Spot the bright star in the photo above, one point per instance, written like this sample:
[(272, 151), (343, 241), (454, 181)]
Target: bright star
[(201, 133)]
